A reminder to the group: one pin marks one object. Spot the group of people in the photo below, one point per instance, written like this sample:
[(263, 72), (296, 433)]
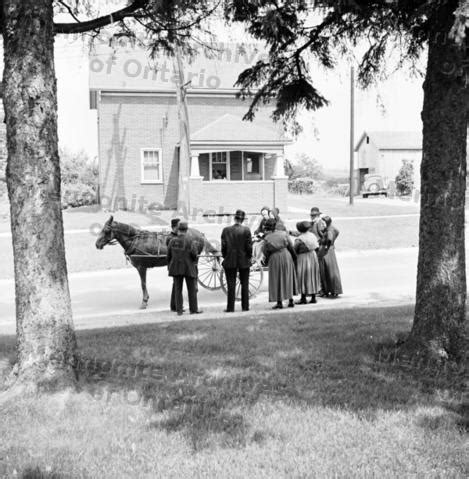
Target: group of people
[(300, 262)]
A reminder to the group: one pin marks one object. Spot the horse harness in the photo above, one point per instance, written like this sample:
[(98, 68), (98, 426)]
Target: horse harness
[(133, 249)]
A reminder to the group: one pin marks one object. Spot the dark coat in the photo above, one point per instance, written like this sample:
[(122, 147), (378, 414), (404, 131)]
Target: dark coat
[(170, 236), (182, 257), (236, 246), (261, 228), (280, 225)]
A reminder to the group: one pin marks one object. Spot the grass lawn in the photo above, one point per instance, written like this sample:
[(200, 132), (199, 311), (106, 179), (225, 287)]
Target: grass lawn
[(279, 396), (399, 232), (336, 206), (87, 217), (380, 233)]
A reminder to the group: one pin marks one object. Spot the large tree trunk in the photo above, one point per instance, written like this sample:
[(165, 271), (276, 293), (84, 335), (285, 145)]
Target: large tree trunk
[(45, 335), (438, 327)]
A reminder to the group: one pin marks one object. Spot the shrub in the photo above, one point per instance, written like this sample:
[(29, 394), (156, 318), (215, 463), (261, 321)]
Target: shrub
[(77, 194), (340, 189), (79, 179), (405, 178), (301, 185)]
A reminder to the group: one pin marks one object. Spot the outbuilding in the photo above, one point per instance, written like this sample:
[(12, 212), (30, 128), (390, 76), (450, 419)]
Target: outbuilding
[(383, 152)]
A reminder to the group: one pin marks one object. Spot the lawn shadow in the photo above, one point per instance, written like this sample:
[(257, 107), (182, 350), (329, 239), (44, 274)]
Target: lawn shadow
[(200, 377), (37, 473)]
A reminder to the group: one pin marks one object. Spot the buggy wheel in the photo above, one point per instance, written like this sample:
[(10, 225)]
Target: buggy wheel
[(209, 272), (256, 276)]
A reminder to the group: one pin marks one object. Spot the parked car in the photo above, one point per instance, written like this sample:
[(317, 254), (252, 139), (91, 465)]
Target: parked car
[(373, 185)]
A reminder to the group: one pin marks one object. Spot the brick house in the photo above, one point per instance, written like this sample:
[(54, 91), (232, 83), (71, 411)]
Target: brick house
[(234, 163)]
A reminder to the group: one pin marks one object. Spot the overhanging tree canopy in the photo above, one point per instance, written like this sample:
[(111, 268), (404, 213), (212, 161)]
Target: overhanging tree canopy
[(410, 27)]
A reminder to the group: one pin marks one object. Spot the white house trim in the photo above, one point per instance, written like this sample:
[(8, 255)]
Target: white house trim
[(143, 181)]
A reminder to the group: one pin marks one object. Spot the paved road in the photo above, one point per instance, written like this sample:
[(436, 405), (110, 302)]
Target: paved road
[(107, 298)]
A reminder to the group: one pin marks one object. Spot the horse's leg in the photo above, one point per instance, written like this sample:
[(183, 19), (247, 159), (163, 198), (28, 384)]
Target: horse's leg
[(142, 271)]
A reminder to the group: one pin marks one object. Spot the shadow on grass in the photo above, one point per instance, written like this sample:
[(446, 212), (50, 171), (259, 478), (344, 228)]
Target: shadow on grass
[(199, 377), (37, 473)]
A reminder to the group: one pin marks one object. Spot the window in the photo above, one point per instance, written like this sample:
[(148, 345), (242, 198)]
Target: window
[(219, 165), (151, 165), (253, 164)]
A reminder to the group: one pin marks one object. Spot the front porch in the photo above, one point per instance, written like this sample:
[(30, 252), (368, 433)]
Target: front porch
[(235, 165)]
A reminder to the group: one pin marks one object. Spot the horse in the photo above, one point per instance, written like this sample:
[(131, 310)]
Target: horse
[(145, 249)]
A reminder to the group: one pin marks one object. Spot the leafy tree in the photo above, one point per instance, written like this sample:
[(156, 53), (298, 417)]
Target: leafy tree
[(405, 178), (306, 167), (46, 344), (79, 179), (294, 39)]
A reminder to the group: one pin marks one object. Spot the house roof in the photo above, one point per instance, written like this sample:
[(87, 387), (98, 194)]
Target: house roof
[(232, 129), (393, 140)]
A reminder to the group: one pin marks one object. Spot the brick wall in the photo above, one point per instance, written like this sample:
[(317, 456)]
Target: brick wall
[(129, 123), (280, 195), (227, 197)]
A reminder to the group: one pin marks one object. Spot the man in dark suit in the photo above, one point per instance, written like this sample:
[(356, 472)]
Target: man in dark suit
[(172, 234), (236, 249), (182, 265)]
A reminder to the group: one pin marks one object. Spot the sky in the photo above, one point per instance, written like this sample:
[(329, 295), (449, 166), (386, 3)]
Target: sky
[(394, 104)]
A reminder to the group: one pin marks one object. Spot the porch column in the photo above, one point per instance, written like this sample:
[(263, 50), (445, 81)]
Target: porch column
[(280, 186), (195, 169), (279, 166), (196, 184)]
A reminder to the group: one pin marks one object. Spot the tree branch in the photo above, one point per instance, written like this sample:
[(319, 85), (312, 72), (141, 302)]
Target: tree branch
[(100, 22), (69, 9)]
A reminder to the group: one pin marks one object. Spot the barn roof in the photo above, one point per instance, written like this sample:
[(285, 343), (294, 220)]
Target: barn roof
[(393, 140)]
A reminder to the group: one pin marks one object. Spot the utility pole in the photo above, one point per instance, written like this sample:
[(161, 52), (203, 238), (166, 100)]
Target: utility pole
[(183, 205), (352, 133)]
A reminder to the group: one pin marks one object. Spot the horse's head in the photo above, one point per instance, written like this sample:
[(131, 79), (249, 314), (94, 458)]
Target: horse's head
[(106, 235)]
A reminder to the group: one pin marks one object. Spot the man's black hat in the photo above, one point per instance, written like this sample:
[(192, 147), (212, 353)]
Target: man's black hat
[(175, 222), (240, 215), (315, 211)]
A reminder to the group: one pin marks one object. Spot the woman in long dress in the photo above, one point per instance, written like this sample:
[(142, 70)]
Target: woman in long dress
[(280, 257), (307, 265), (331, 284)]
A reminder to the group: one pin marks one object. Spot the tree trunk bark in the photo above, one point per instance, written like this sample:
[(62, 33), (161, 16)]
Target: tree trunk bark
[(438, 328), (46, 343)]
